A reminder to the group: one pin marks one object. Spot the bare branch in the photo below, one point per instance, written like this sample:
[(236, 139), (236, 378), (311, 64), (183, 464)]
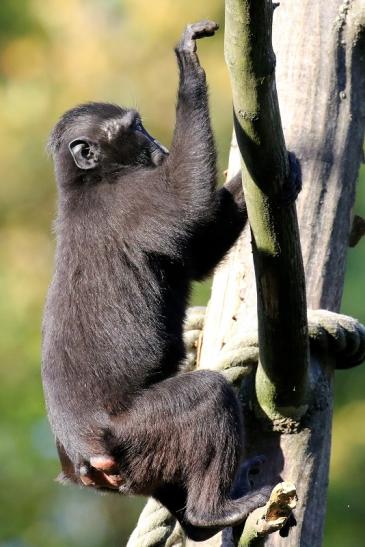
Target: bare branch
[(271, 518)]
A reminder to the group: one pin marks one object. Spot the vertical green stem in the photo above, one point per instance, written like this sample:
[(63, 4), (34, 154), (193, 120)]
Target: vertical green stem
[(281, 381)]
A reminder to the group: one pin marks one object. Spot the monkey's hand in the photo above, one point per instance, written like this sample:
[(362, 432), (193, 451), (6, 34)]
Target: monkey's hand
[(293, 184), (194, 32)]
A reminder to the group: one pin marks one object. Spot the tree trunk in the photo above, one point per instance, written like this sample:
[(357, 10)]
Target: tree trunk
[(320, 52)]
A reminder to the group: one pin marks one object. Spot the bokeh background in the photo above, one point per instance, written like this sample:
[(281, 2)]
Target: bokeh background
[(53, 55)]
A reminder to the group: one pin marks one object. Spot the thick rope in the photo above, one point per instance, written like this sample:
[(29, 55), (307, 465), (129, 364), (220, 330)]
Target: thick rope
[(339, 335), (156, 527)]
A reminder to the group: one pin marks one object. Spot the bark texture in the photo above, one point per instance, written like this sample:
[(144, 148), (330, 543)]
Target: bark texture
[(320, 75)]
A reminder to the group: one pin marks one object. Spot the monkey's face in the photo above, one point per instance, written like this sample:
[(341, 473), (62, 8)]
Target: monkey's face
[(99, 139)]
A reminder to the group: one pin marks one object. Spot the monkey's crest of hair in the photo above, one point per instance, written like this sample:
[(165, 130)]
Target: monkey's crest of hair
[(109, 114)]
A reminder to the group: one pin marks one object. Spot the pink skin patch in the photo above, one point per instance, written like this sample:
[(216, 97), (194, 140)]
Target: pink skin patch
[(104, 463), (104, 473)]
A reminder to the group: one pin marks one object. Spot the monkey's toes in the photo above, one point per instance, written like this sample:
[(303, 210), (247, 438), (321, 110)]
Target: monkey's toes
[(104, 463)]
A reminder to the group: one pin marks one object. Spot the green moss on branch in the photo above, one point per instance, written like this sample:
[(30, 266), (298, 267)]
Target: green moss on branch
[(281, 382)]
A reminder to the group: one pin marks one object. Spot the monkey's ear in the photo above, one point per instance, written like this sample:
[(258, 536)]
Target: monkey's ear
[(85, 153)]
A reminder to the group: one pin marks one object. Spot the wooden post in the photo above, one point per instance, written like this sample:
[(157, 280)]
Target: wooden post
[(320, 74)]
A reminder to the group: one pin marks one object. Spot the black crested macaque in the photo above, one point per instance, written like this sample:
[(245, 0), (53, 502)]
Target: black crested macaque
[(136, 225)]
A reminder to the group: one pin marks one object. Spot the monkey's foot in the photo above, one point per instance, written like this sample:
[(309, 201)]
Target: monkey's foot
[(101, 472), (194, 32)]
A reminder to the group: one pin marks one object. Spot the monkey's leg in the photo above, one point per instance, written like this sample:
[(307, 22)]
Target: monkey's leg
[(205, 513), (210, 503), (200, 526), (174, 429), (242, 485), (187, 430), (182, 433), (173, 497)]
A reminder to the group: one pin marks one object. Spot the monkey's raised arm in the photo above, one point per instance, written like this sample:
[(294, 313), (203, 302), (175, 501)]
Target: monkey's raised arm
[(192, 160)]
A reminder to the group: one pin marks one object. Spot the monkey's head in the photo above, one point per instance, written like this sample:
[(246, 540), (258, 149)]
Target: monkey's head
[(94, 140)]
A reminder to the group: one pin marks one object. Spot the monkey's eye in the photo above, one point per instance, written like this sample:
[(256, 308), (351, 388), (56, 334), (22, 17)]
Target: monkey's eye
[(137, 125)]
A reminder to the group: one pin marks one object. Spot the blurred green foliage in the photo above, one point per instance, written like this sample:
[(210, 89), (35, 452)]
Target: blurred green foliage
[(53, 55)]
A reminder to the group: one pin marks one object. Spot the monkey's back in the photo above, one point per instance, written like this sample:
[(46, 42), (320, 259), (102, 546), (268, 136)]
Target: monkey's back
[(113, 318)]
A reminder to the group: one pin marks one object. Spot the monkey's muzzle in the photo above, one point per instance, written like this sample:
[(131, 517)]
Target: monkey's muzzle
[(157, 147)]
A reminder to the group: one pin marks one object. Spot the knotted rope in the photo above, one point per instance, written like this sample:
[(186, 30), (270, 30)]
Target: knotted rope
[(339, 335)]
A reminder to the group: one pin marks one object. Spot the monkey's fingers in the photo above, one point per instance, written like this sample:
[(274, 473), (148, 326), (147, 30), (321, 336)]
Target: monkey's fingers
[(194, 32), (202, 29)]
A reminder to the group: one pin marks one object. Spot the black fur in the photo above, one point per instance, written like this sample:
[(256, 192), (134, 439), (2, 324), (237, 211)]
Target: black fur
[(132, 234)]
